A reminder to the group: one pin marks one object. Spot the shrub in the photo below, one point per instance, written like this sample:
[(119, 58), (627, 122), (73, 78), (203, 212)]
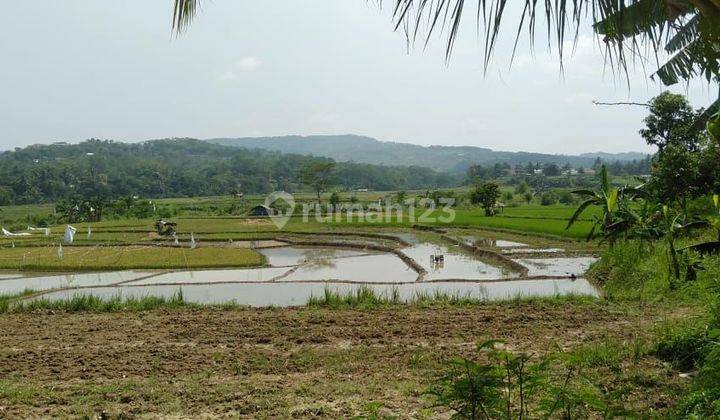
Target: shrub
[(548, 199)]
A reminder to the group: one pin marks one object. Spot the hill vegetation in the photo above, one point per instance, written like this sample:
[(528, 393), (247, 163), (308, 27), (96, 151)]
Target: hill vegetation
[(454, 159), (179, 168)]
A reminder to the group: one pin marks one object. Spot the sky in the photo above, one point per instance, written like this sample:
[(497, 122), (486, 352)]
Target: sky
[(78, 69)]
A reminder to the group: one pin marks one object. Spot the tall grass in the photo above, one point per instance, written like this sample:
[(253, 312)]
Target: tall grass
[(91, 303), (365, 297)]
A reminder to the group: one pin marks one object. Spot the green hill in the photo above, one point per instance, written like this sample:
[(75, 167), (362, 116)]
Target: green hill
[(454, 159)]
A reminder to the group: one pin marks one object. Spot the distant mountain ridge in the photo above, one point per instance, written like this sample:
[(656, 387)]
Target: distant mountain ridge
[(453, 159)]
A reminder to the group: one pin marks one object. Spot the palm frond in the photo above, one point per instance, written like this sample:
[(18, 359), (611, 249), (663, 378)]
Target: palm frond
[(702, 119), (698, 58), (686, 34), (183, 13), (678, 26), (632, 19), (579, 211)]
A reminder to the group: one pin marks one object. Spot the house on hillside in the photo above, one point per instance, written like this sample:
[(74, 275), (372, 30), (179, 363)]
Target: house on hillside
[(261, 211)]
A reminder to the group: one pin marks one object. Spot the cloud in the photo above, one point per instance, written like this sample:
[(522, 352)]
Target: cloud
[(243, 65), (580, 98), (248, 63), (228, 75)]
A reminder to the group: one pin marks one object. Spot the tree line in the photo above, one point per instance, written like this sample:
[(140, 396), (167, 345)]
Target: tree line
[(107, 170)]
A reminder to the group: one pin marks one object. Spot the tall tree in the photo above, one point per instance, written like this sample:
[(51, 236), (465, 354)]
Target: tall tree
[(486, 195), (671, 120), (319, 177)]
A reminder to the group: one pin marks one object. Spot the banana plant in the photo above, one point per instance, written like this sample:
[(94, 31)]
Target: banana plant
[(713, 128), (617, 215), (672, 226), (714, 222)]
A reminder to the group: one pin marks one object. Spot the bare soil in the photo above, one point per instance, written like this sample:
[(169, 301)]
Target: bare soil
[(303, 362)]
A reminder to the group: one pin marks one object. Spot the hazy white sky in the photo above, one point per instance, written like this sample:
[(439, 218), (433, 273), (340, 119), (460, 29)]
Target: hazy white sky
[(76, 69)]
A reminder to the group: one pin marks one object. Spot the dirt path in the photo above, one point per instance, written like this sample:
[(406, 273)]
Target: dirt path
[(266, 363)]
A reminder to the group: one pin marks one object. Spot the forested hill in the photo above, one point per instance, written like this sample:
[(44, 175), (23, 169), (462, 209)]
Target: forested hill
[(177, 168), (454, 159)]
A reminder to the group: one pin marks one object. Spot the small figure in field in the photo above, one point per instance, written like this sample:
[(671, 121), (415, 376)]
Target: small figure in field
[(165, 228)]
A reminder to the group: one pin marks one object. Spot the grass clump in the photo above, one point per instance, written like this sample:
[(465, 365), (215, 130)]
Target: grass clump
[(684, 344), (607, 353), (365, 297), (92, 303)]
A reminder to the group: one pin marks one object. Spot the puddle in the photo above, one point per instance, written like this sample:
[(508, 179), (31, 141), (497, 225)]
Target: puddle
[(57, 281), (289, 294), (282, 257), (557, 266), (456, 264)]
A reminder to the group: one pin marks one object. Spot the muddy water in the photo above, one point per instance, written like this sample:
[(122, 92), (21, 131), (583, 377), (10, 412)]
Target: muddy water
[(286, 256), (557, 266), (294, 294), (215, 276), (21, 283), (533, 250), (296, 273), (492, 243), (367, 268), (456, 264)]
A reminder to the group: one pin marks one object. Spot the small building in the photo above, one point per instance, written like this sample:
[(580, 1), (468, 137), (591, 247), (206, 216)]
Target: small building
[(261, 211)]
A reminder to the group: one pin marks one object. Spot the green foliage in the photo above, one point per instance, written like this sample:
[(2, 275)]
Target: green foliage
[(179, 168), (91, 303), (514, 386), (713, 127), (684, 344), (671, 121), (522, 188), (548, 199), (686, 165), (334, 199), (703, 400), (318, 176), (566, 197), (486, 195), (366, 298)]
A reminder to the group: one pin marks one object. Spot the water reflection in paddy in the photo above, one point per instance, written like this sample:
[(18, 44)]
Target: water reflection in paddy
[(557, 266), (296, 273), (293, 294), (57, 281), (367, 268), (215, 276), (492, 243), (456, 264), (285, 256)]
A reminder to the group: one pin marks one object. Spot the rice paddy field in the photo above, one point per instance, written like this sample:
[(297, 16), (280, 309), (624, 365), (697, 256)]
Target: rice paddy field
[(108, 258), (315, 320)]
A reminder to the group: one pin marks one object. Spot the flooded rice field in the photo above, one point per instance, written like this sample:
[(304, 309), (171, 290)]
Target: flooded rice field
[(455, 264), (283, 294), (428, 266)]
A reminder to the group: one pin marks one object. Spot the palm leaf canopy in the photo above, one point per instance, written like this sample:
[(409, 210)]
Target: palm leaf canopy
[(688, 30)]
